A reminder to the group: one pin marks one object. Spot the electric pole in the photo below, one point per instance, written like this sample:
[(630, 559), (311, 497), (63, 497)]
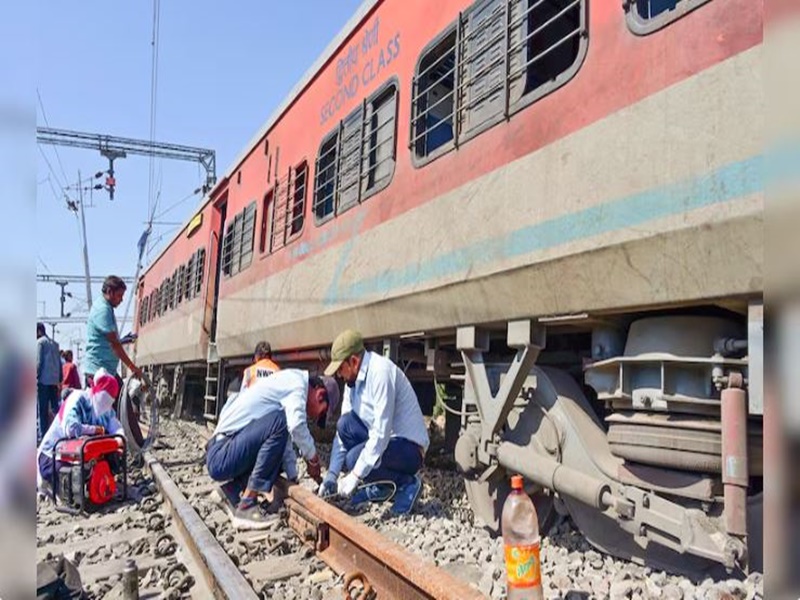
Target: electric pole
[(85, 246), (64, 296)]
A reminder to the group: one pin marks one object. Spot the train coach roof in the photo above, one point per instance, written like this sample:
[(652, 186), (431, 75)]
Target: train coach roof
[(206, 199), (362, 11)]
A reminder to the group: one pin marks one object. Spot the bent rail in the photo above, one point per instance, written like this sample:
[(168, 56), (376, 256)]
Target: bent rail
[(358, 552)]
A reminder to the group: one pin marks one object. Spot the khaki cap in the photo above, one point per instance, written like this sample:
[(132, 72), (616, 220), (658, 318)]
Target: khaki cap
[(346, 344)]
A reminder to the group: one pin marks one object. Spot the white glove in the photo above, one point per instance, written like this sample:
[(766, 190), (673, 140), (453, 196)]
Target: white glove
[(348, 485), (327, 487)]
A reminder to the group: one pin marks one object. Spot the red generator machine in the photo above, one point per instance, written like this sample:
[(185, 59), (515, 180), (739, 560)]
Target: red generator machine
[(86, 471)]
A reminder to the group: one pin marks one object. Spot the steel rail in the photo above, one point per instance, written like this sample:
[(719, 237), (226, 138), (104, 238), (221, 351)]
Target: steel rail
[(350, 548), (221, 574), (356, 551)]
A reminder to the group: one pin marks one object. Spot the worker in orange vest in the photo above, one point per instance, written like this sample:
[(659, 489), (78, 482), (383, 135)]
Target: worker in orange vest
[(262, 367)]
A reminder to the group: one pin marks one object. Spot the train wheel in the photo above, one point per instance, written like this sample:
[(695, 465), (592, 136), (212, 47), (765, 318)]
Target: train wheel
[(139, 415), (487, 489), (486, 498)]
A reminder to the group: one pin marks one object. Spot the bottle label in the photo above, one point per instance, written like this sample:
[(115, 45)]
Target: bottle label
[(522, 566)]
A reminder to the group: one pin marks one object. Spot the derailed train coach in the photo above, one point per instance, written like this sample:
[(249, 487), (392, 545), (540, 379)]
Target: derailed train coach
[(551, 208)]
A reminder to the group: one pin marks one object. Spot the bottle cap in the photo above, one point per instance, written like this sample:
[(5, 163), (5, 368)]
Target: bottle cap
[(516, 482)]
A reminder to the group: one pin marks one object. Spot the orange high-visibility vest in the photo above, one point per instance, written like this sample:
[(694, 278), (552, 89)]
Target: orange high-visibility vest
[(263, 368)]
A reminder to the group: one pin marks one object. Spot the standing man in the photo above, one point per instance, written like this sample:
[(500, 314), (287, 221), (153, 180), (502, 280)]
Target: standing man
[(262, 366), (381, 435), (103, 347), (48, 377), (253, 431), (70, 379)]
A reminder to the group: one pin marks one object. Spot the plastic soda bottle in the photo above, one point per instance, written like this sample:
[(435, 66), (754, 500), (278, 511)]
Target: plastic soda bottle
[(520, 528)]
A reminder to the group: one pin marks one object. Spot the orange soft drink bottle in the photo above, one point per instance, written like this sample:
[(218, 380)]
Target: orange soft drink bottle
[(520, 528)]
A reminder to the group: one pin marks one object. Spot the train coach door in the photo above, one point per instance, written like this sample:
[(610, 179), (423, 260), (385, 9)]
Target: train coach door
[(221, 209)]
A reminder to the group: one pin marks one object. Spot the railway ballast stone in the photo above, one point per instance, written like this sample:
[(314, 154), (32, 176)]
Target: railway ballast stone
[(443, 530)]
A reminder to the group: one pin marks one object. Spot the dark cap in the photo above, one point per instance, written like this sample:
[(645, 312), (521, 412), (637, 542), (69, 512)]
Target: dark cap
[(346, 344)]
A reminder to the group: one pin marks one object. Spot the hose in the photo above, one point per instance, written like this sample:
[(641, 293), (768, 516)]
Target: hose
[(137, 443)]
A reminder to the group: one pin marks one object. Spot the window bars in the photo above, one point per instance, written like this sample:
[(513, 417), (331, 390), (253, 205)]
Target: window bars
[(237, 245), (190, 278), (199, 269), (499, 56), (357, 159), (647, 16), (284, 209)]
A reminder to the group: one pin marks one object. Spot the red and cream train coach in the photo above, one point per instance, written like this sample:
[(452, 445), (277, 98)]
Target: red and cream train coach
[(565, 195)]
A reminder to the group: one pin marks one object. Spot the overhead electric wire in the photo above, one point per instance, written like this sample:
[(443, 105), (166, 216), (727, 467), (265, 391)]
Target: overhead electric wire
[(153, 100), (52, 173), (46, 268), (178, 203), (46, 122), (152, 204), (53, 189)]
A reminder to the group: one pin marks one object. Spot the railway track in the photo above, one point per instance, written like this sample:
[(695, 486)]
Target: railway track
[(314, 551), (174, 528), (181, 538), (141, 529)]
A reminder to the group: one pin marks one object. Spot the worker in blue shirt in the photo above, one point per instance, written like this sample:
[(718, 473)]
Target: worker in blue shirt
[(103, 346), (254, 428), (381, 435)]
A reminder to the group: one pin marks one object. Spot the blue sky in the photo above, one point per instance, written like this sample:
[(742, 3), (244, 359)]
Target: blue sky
[(222, 69)]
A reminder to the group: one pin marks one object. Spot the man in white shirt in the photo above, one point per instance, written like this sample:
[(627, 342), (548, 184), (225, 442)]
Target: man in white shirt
[(381, 435), (253, 431)]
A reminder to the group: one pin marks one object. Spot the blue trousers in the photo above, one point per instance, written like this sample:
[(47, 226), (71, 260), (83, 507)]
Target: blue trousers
[(47, 399), (46, 467), (254, 453), (399, 462)]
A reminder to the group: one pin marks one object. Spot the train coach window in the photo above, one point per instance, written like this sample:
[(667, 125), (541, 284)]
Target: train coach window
[(297, 215), (267, 221), (646, 16), (143, 311), (499, 56), (163, 297), (379, 147), (284, 209), (151, 309), (248, 234), (279, 225), (173, 286), (199, 269), (550, 40), (325, 185), (237, 245), (348, 171), (168, 300), (188, 293), (235, 248), (357, 159), (180, 291), (433, 102)]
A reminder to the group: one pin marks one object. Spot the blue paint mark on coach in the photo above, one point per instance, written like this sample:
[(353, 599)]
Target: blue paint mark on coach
[(727, 183)]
